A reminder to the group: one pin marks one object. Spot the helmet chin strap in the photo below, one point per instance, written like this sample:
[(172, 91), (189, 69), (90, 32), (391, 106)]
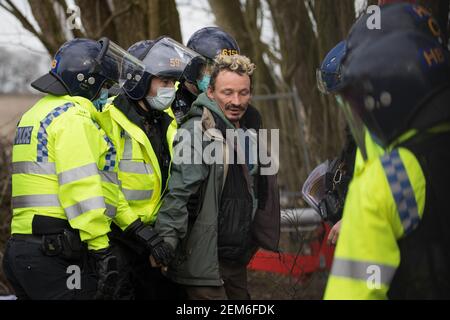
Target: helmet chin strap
[(144, 105)]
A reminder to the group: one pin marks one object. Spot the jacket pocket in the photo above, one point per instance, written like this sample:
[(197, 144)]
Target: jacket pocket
[(200, 254)]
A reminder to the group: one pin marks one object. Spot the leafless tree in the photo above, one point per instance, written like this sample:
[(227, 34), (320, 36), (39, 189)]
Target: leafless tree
[(124, 22)]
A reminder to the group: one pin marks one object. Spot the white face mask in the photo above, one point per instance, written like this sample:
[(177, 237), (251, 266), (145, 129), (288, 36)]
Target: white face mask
[(163, 99)]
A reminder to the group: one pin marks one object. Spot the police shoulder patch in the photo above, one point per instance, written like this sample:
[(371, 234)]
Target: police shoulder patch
[(23, 135)]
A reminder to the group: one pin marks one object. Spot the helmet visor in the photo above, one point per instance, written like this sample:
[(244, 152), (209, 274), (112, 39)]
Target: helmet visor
[(356, 125), (314, 188), (327, 82), (198, 68), (321, 85), (118, 66), (169, 58), (207, 68)]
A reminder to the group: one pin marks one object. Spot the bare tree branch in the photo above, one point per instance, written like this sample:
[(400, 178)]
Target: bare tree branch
[(12, 9), (111, 18), (77, 33), (49, 20)]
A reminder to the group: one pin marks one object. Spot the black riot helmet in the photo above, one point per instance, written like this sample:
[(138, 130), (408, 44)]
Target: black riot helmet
[(209, 42), (390, 74), (81, 67), (394, 17), (389, 82), (164, 58)]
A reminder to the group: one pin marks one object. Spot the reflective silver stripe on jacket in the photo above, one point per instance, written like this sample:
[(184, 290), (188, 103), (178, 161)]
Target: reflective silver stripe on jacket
[(77, 173), (362, 270), (30, 167), (127, 165), (135, 167), (111, 210), (48, 168), (137, 194), (128, 148), (35, 200), (108, 176), (84, 206)]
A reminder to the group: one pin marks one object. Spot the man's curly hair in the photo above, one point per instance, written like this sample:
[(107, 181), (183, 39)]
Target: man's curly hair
[(234, 63)]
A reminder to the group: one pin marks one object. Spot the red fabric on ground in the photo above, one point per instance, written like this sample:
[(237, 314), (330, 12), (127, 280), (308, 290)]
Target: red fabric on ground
[(295, 265)]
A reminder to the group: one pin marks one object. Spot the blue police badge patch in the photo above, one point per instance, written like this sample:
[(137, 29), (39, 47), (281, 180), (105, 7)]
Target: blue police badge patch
[(23, 135)]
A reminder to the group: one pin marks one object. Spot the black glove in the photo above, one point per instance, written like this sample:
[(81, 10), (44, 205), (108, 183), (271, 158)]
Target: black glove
[(160, 250), (163, 253), (106, 268)]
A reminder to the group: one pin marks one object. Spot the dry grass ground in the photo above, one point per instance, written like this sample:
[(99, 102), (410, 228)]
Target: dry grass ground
[(11, 109), (272, 286)]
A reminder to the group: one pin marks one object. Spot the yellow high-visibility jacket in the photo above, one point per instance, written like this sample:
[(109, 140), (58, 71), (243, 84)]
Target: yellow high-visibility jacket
[(373, 151), (64, 166), (384, 201), (139, 172)]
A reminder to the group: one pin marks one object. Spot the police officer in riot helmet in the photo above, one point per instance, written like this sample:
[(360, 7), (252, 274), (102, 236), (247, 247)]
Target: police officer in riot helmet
[(143, 125), (60, 203), (153, 94), (396, 85)]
